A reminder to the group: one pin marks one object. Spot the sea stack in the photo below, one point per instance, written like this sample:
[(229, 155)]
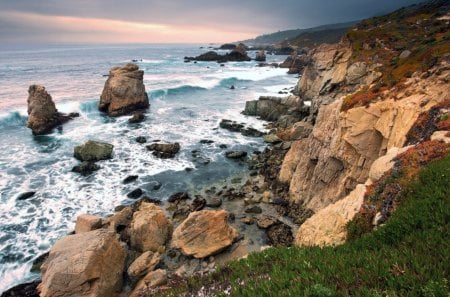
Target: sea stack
[(124, 91), (42, 113)]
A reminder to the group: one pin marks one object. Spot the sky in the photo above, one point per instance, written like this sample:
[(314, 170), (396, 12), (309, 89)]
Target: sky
[(172, 21)]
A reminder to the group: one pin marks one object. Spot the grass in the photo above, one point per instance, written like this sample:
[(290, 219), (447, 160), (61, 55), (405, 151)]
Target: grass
[(408, 256)]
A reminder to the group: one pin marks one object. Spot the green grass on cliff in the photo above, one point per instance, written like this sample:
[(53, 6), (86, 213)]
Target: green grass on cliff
[(408, 256)]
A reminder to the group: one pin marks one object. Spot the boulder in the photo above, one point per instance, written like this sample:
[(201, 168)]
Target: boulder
[(152, 280), (149, 228), (85, 264), (297, 131), (260, 56), (26, 195), (93, 151), (272, 108), (87, 223), (164, 150), (204, 233), (124, 91), (42, 113), (235, 154), (404, 54), (271, 138), (144, 264), (136, 118), (85, 168)]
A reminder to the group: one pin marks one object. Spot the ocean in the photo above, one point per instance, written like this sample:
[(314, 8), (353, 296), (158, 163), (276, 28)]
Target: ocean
[(188, 101)]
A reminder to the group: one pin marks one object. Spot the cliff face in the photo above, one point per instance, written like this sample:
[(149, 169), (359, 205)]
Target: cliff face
[(367, 95)]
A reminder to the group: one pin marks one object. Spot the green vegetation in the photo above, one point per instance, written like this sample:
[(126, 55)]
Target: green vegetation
[(408, 256)]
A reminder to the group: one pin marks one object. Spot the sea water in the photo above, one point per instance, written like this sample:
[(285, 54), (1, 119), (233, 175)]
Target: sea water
[(188, 101)]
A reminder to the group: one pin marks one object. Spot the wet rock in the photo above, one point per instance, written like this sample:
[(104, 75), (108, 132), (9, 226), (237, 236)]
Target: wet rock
[(236, 154), (231, 125), (144, 264), (273, 108), (254, 209), (204, 233), (26, 195), (152, 280), (135, 194), (42, 113), (198, 204), (149, 228), (86, 264), (137, 117), (214, 202), (86, 168), (260, 56), (164, 150), (206, 141), (248, 220), (251, 132), (156, 185), (264, 222), (87, 222), (141, 139), (130, 179), (124, 91), (37, 263), (280, 235), (177, 197), (272, 138), (23, 290), (93, 151)]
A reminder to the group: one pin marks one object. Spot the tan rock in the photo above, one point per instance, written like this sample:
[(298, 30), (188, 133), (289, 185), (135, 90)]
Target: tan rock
[(152, 280), (124, 91), (144, 264), (297, 131), (85, 264), (441, 136), (328, 226), (204, 233), (385, 163), (149, 229), (120, 220), (87, 222)]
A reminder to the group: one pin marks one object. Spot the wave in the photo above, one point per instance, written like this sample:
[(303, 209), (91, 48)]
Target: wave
[(175, 91), (13, 119), (232, 81), (88, 107)]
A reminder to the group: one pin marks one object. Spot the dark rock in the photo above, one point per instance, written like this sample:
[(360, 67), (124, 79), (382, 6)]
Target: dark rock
[(124, 91), (280, 235), (25, 196), (254, 209), (206, 141), (235, 154), (141, 139), (156, 185), (273, 108), (231, 126), (232, 87), (164, 150), (23, 290), (37, 263), (266, 222), (238, 54), (150, 200), (260, 56), (198, 204), (251, 132), (135, 194), (137, 117), (228, 46), (177, 197), (85, 168), (188, 169), (223, 146), (93, 151), (214, 202), (129, 179)]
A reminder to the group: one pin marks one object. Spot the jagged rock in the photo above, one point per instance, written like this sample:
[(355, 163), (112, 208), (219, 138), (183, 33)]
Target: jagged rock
[(297, 131), (164, 150), (260, 56), (238, 54), (272, 108), (198, 204), (124, 91), (295, 63), (144, 264), (86, 168), (328, 226), (152, 280), (87, 222), (204, 233), (85, 264), (149, 228), (120, 220), (93, 151), (137, 118), (177, 197), (42, 113)]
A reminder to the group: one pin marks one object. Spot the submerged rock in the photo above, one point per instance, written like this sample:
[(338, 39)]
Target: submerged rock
[(124, 91), (93, 151), (85, 168), (135, 194), (42, 113), (86, 264), (26, 195), (204, 233), (236, 154), (130, 179), (164, 150), (136, 118)]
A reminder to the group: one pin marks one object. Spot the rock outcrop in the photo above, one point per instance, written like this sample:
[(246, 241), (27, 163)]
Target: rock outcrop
[(42, 113), (260, 56), (93, 151), (295, 63), (338, 154), (124, 91), (86, 264), (204, 233), (164, 150), (275, 108), (237, 54), (149, 229)]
